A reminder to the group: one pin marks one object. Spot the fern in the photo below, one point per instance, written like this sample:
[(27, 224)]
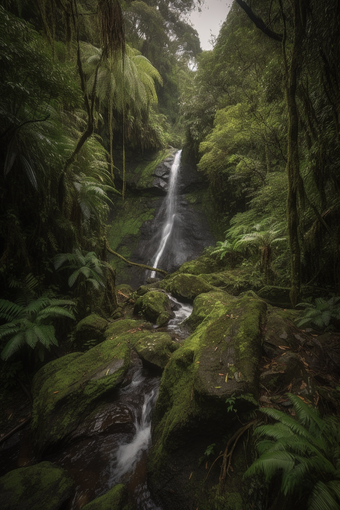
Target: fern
[(304, 451), (321, 312), (32, 324)]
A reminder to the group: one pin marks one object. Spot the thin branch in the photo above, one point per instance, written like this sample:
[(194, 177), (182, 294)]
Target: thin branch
[(143, 266), (18, 427)]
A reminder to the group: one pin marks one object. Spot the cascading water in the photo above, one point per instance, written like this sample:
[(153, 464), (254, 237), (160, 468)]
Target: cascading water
[(170, 211)]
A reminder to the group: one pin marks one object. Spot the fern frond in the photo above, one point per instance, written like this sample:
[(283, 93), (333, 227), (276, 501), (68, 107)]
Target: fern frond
[(9, 310), (269, 464), (13, 345), (322, 498)]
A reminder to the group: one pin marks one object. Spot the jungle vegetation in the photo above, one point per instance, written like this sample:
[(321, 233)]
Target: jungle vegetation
[(84, 80), (262, 122)]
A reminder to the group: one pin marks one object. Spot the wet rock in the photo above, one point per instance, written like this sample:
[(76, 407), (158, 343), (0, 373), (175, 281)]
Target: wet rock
[(42, 486), (68, 389), (155, 307), (114, 499), (110, 418)]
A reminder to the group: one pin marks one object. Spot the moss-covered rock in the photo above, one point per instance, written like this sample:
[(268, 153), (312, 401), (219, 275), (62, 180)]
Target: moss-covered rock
[(123, 326), (91, 327), (204, 264), (233, 281), (42, 486), (206, 303), (114, 499), (185, 286), (217, 362), (155, 350), (214, 370), (66, 390), (155, 307)]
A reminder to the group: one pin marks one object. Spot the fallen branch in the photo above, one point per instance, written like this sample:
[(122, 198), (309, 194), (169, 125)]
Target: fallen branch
[(18, 427), (143, 266)]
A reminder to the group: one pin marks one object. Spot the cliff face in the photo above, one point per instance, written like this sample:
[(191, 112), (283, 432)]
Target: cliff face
[(136, 223)]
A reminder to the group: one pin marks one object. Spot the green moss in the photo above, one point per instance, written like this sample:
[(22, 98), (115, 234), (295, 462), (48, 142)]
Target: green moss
[(155, 349), (43, 485), (146, 172), (124, 233), (194, 386), (155, 306), (185, 286), (68, 389), (114, 499), (123, 326)]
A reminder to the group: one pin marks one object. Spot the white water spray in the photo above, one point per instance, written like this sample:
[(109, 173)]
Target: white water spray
[(170, 210)]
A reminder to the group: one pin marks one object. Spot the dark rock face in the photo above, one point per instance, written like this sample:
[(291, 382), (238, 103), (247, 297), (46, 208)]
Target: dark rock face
[(190, 233)]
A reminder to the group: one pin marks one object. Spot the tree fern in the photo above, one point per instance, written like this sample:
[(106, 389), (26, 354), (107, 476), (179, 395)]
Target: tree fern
[(305, 453)]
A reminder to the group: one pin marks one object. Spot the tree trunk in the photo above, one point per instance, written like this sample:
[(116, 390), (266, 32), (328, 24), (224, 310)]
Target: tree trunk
[(293, 161)]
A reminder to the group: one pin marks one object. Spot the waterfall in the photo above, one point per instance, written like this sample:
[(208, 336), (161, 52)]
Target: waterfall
[(170, 210)]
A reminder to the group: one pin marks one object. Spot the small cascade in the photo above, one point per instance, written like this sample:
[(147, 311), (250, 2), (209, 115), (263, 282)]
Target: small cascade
[(129, 454), (170, 211)]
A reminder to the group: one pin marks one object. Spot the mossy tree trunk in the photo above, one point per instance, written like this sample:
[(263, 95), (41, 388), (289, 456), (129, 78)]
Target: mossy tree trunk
[(293, 160)]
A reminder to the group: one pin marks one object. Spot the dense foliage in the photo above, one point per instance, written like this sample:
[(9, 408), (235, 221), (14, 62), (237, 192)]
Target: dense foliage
[(263, 124)]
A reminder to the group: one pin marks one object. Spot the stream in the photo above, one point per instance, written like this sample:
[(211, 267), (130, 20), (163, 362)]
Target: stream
[(113, 448), (117, 452)]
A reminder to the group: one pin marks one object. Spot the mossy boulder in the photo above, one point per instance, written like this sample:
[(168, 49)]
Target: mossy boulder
[(233, 281), (66, 390), (123, 326), (155, 307), (206, 303), (218, 360), (214, 369), (185, 286), (155, 350), (42, 486), (204, 264), (114, 499), (91, 327)]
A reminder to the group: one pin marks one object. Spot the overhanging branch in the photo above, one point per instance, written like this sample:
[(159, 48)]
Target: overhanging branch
[(258, 22)]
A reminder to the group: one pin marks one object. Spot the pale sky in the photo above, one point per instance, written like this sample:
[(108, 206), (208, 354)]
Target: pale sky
[(209, 21)]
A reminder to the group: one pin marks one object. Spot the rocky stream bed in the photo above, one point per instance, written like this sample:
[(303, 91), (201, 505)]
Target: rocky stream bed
[(240, 351)]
